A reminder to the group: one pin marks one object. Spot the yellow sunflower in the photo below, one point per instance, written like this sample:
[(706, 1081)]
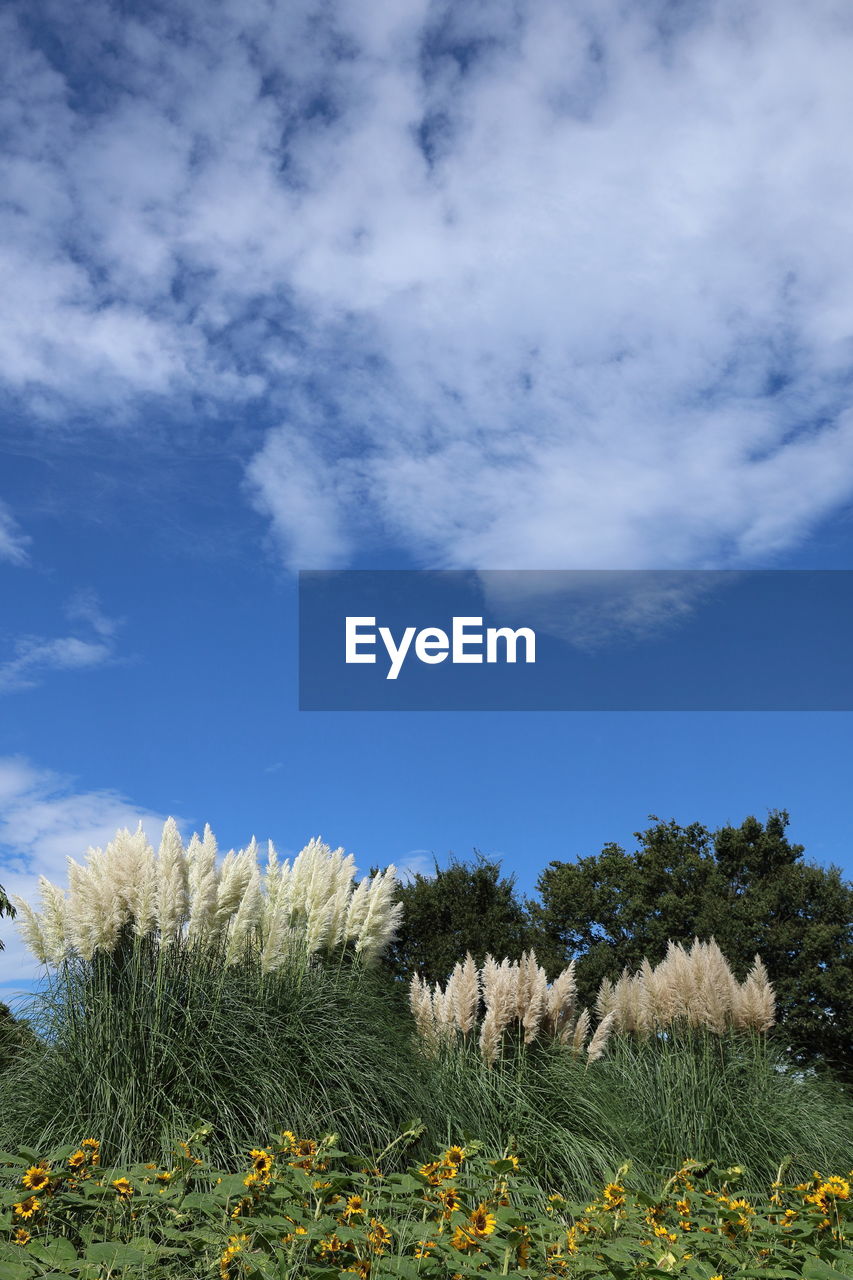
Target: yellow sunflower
[(124, 1189), (76, 1159), (614, 1196), (27, 1208), (379, 1237), (36, 1178), (481, 1222), (21, 1236)]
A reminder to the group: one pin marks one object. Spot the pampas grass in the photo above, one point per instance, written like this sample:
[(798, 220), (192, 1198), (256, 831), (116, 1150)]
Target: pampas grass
[(279, 909)]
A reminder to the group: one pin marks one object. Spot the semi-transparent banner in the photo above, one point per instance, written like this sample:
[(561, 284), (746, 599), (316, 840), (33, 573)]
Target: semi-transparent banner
[(576, 640)]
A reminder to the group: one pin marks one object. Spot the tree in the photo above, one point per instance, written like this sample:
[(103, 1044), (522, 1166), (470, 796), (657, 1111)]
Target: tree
[(468, 906), (748, 887), (6, 909)]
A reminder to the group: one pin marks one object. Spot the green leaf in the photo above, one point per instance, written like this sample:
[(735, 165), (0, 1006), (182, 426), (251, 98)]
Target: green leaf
[(114, 1254)]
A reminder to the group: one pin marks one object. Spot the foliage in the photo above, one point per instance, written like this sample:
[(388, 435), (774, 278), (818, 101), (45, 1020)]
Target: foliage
[(303, 1208), (15, 1036), (745, 886), (6, 909), (146, 1041), (465, 907)]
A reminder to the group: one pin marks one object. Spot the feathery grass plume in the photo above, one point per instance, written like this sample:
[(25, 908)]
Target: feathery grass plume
[(203, 881), (536, 984), (278, 935), (130, 865), (30, 924), (95, 913), (247, 921), (717, 989), (595, 1048), (757, 1003), (605, 1001), (579, 1033), (466, 996), (500, 990), (420, 1003), (357, 910), (626, 999), (382, 918), (55, 920), (173, 893), (443, 1014), (489, 979), (562, 995)]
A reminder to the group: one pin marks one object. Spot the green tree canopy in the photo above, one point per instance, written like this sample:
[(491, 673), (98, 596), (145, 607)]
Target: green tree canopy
[(6, 909), (468, 906), (748, 887)]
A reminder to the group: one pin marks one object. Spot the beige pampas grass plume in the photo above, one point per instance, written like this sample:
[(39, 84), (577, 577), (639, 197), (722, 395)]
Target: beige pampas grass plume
[(537, 1000), (596, 1046), (579, 1033), (562, 995), (757, 1001), (466, 995)]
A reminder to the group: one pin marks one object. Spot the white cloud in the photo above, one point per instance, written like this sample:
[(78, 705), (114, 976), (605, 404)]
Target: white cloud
[(524, 285), (43, 821), (36, 656), (13, 543)]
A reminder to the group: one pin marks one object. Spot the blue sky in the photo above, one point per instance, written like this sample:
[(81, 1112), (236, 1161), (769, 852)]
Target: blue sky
[(408, 284)]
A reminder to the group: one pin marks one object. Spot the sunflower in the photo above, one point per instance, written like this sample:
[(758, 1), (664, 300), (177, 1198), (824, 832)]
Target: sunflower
[(837, 1188), (262, 1161), (354, 1207), (27, 1208), (21, 1236), (423, 1248), (124, 1189), (454, 1155), (450, 1200), (481, 1222), (36, 1178), (76, 1159), (379, 1237), (92, 1148), (614, 1196), (235, 1245)]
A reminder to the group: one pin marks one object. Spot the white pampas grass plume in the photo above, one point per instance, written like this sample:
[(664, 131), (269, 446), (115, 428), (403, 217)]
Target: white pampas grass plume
[(204, 881), (30, 924), (382, 918), (420, 1003), (173, 895), (54, 920), (595, 1048), (247, 920)]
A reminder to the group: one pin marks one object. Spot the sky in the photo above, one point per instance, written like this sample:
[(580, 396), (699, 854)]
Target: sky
[(482, 285)]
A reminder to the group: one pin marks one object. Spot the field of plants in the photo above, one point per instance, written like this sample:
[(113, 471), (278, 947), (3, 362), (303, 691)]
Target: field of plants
[(222, 1080)]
